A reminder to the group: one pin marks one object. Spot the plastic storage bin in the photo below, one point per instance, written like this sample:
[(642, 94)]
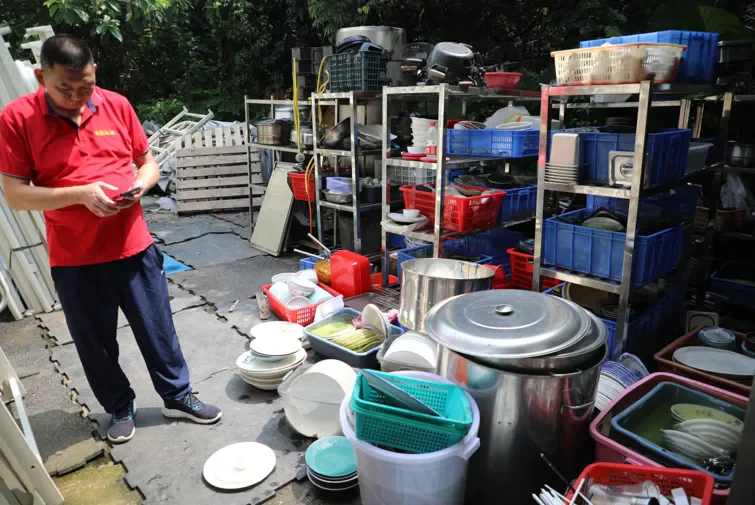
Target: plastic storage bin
[(363, 72), (608, 449), (426, 251), (518, 204), (392, 478), (698, 62), (307, 263), (497, 143), (302, 316), (681, 201), (327, 349), (494, 243), (639, 423), (601, 252), (696, 484), (522, 269), (460, 213), (726, 220), (666, 153), (739, 293), (698, 156)]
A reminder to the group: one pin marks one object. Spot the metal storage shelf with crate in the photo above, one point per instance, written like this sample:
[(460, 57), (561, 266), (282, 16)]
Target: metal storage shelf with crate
[(442, 93), (646, 90)]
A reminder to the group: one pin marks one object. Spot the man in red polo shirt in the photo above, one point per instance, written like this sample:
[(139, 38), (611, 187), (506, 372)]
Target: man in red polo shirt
[(76, 143)]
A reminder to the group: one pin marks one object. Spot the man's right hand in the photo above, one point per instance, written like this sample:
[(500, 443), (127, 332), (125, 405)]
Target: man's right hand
[(94, 198)]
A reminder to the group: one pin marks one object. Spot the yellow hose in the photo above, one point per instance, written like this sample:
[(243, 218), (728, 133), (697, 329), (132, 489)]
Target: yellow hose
[(297, 124)]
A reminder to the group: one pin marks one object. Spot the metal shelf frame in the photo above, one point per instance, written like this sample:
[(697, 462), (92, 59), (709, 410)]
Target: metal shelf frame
[(442, 93), (355, 154), (645, 90)]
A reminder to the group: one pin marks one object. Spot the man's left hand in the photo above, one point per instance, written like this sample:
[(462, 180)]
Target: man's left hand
[(128, 201)]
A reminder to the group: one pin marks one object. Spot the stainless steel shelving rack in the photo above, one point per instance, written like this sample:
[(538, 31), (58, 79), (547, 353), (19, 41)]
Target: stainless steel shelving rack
[(351, 99), (442, 93), (645, 91)]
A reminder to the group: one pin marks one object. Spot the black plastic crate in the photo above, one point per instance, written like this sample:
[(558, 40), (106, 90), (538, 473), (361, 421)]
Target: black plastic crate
[(363, 72)]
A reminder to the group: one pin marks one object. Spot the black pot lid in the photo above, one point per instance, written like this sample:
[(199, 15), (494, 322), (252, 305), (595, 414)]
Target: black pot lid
[(507, 323)]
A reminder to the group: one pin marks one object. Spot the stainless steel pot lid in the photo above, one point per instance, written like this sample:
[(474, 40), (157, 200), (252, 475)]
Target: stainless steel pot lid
[(506, 323)]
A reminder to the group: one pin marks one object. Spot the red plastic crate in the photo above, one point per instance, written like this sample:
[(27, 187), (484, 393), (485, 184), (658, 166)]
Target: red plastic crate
[(695, 483), (304, 316), (522, 270), (460, 213), (302, 191)]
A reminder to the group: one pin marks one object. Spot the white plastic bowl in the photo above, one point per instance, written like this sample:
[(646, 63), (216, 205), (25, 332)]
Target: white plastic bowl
[(416, 149), (301, 287), (284, 277), (297, 302), (306, 275)]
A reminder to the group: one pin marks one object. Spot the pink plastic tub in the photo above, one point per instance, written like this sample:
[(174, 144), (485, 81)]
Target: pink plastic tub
[(613, 452)]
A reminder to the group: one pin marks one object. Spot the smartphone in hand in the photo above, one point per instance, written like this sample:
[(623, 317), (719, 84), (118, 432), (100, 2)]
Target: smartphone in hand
[(127, 194)]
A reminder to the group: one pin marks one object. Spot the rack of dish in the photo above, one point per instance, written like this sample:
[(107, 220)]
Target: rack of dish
[(638, 175)]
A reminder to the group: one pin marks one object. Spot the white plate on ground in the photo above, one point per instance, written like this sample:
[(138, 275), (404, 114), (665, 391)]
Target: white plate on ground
[(276, 345), (277, 328), (399, 217), (255, 366), (715, 361), (238, 466)]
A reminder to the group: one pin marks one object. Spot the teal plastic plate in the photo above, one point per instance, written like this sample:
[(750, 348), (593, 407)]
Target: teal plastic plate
[(331, 457)]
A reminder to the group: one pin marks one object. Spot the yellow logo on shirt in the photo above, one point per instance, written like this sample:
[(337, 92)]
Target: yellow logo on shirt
[(104, 133)]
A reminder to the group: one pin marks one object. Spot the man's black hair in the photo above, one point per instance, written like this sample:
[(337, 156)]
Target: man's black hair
[(66, 50)]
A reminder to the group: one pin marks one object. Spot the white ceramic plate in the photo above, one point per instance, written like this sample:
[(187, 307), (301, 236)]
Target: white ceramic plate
[(714, 434), (688, 411), (276, 345), (716, 361), (248, 363), (239, 465), (691, 445), (373, 319), (399, 217), (278, 328)]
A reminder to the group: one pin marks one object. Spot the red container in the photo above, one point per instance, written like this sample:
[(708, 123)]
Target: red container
[(302, 188), (460, 213), (377, 280), (695, 483), (303, 316), (502, 80), (522, 269), (350, 273)]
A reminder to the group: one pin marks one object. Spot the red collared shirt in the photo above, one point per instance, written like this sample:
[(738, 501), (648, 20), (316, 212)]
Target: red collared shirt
[(52, 151)]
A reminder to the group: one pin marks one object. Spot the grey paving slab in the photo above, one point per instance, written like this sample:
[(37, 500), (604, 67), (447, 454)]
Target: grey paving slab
[(55, 325), (233, 281), (238, 218), (180, 299), (171, 231), (244, 316), (165, 458), (211, 250), (63, 436)]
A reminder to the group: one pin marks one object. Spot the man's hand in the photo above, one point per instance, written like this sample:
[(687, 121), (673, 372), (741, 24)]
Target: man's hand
[(128, 201), (94, 198)]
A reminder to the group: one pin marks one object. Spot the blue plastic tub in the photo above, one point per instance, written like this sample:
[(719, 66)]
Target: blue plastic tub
[(307, 263), (681, 201), (426, 251), (496, 143), (666, 154), (518, 204), (698, 62), (601, 252), (396, 241), (493, 243), (738, 293), (641, 422)]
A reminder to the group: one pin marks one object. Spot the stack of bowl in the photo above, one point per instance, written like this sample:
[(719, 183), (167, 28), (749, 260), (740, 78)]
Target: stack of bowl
[(271, 357), (420, 126), (719, 338), (614, 379), (332, 464)]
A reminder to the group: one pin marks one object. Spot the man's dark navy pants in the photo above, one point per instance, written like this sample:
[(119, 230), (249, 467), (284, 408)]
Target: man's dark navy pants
[(91, 296)]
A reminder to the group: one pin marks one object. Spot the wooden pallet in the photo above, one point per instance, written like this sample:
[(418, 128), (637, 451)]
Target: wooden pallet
[(212, 172)]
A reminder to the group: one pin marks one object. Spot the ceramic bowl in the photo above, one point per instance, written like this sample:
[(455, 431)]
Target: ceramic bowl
[(411, 212), (307, 275), (284, 277), (280, 291), (298, 302), (746, 350), (416, 149), (301, 287)]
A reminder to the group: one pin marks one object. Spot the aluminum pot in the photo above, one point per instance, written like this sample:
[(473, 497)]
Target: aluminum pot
[(390, 38), (522, 416), (740, 155), (425, 282), (273, 131)]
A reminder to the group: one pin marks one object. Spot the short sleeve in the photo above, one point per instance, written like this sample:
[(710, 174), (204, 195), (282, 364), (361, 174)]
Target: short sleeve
[(14, 154), (139, 142)]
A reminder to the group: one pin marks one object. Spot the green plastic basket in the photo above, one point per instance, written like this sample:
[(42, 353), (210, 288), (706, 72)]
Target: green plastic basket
[(380, 423), (363, 72)]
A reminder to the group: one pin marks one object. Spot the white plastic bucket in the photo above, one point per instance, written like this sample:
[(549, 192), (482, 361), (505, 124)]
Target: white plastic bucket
[(390, 478)]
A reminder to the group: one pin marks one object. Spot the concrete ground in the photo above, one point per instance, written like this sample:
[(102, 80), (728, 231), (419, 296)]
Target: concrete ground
[(213, 309)]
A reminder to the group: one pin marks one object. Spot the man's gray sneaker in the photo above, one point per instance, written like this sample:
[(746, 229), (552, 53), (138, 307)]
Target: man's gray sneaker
[(122, 427), (192, 408)]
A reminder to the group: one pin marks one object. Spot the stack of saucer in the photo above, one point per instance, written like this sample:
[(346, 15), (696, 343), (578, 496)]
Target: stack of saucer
[(720, 338), (332, 464), (270, 360), (420, 127), (614, 379)]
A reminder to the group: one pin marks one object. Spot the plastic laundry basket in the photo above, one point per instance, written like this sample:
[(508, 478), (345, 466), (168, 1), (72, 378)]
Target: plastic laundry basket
[(390, 478)]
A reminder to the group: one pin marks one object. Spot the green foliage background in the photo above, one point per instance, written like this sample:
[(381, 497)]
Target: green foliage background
[(164, 54)]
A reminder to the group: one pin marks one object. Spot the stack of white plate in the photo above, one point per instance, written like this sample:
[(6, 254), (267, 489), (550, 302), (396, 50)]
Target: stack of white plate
[(420, 126), (265, 374), (410, 351), (332, 464), (614, 379), (561, 174)]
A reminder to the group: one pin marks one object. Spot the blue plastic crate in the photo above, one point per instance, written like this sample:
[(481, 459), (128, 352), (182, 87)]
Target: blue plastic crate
[(493, 243), (738, 293), (698, 62), (496, 143), (426, 251), (666, 154), (681, 201), (518, 204), (642, 330), (307, 263), (396, 241), (601, 252), (644, 416)]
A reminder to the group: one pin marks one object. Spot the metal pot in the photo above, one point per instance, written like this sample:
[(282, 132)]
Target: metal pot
[(741, 155), (335, 135), (306, 136), (425, 282), (454, 63), (273, 131), (392, 39), (732, 51)]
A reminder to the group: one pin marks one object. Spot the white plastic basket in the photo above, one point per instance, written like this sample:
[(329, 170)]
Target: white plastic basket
[(618, 64), (404, 176)]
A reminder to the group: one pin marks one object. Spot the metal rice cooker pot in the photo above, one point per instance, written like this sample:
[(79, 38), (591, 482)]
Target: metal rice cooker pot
[(454, 63), (531, 362)]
